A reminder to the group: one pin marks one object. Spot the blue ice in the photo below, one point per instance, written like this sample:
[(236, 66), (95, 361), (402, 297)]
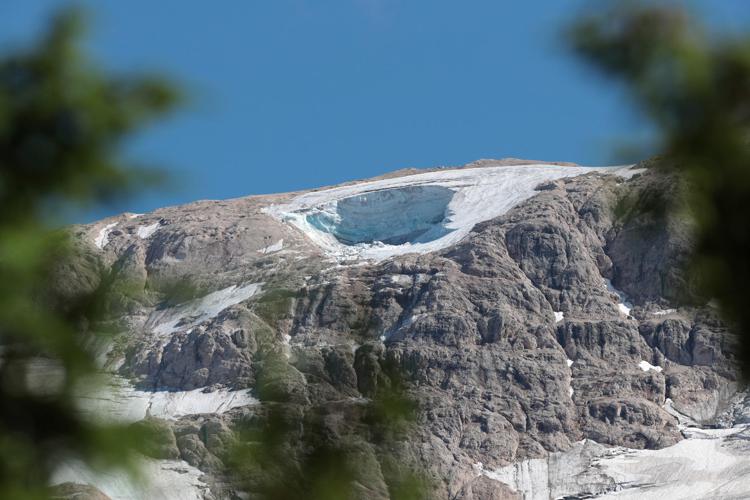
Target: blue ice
[(411, 214)]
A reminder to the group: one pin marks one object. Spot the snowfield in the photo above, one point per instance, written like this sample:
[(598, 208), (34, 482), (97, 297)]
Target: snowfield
[(121, 402), (145, 232), (416, 213), (162, 479), (164, 322), (114, 399), (709, 463), (102, 238)]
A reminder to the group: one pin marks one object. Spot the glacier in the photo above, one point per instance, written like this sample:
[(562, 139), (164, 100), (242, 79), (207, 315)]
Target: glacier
[(418, 213), (394, 216)]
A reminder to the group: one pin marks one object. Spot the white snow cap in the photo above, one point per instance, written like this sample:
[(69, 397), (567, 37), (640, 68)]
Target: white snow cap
[(416, 213)]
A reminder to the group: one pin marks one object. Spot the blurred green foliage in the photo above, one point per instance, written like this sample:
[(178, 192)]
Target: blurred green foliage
[(695, 87), (331, 451), (62, 124)]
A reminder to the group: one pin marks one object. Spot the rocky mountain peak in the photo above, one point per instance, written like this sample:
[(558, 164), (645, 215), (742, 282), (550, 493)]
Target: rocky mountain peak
[(539, 314)]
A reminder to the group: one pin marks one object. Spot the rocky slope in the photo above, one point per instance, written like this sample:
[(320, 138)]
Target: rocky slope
[(541, 316)]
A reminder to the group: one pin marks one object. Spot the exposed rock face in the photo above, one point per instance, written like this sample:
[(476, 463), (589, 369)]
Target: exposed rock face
[(510, 340)]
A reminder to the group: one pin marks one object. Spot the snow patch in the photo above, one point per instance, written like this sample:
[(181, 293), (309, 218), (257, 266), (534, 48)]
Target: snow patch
[(525, 477), (709, 463), (119, 401), (163, 479), (624, 306), (570, 392), (559, 316), (664, 312), (415, 213), (569, 362), (103, 237), (185, 316), (273, 248), (401, 279), (646, 366), (286, 346), (144, 232)]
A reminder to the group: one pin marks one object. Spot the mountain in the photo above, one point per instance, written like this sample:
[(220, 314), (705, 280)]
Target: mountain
[(541, 318)]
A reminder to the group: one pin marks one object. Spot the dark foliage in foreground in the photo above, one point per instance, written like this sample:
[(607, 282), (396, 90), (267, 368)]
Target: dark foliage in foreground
[(696, 89)]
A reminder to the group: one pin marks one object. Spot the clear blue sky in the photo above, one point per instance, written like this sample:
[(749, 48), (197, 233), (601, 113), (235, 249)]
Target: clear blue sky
[(293, 94)]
